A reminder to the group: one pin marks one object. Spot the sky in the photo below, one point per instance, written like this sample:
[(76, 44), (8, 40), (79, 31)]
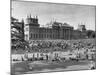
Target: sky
[(46, 12)]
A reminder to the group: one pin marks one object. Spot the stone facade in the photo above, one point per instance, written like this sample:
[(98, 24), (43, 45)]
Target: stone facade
[(58, 30)]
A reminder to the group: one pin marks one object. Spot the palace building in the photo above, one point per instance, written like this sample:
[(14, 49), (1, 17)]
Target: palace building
[(33, 31)]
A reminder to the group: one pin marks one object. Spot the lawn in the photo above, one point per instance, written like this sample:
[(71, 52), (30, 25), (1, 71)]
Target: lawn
[(23, 67)]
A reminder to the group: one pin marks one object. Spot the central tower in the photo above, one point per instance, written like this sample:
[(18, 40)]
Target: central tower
[(32, 21), (31, 27)]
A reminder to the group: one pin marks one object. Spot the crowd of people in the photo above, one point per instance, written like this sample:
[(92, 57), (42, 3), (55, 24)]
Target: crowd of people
[(81, 48), (45, 46), (60, 45), (48, 44)]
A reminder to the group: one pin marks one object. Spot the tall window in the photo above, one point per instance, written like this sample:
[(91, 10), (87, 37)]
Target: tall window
[(34, 36)]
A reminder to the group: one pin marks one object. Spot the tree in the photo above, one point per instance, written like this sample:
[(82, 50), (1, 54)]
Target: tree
[(91, 34), (17, 34)]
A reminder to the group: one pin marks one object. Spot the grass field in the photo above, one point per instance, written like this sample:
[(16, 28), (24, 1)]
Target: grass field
[(41, 66)]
